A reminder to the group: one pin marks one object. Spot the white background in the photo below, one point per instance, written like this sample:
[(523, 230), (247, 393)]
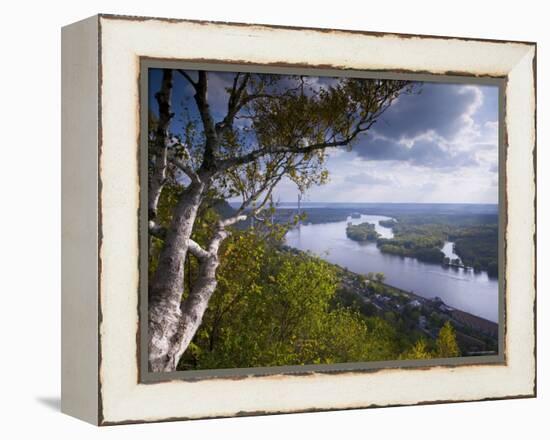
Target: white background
[(30, 217)]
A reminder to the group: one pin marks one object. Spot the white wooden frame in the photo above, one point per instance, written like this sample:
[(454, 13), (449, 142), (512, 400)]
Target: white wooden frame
[(100, 267)]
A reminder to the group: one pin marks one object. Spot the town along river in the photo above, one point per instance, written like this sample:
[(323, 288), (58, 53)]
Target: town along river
[(460, 288)]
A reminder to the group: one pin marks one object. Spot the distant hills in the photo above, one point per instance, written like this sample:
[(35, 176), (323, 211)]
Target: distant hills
[(402, 208)]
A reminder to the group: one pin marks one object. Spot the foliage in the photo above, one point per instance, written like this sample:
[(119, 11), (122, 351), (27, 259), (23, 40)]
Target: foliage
[(387, 223), (416, 248), (274, 307), (446, 345), (419, 350), (277, 307), (271, 306), (422, 237), (477, 246), (362, 232)]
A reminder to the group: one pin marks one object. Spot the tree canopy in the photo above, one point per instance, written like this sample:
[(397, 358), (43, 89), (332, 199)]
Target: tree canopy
[(274, 126)]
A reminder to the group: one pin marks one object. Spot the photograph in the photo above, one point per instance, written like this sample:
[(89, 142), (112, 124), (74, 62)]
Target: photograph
[(306, 220)]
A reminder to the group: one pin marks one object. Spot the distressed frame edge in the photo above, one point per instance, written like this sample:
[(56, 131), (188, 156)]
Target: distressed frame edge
[(237, 24), (104, 422), (532, 115), (314, 410)]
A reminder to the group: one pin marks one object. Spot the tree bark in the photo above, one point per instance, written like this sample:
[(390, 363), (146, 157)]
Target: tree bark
[(166, 289), (195, 305), (172, 322)]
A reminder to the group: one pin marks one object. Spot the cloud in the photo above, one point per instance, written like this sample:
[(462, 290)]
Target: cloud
[(382, 149), (424, 151), (442, 108), (368, 179), (428, 187), (443, 126)]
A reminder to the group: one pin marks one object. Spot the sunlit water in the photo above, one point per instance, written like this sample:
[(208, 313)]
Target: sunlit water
[(472, 292), (449, 252)]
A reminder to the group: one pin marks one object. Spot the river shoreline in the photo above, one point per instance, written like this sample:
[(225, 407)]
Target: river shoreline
[(476, 335)]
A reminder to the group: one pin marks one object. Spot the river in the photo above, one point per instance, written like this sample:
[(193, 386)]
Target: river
[(466, 290)]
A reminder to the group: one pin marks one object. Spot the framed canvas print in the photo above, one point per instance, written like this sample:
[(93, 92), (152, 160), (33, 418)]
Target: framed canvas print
[(263, 220)]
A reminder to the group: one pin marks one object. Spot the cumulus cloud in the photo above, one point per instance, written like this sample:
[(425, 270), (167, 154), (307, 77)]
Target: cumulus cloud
[(436, 106), (439, 127), (424, 151)]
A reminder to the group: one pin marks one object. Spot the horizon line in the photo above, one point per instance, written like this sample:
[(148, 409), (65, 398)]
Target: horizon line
[(395, 203)]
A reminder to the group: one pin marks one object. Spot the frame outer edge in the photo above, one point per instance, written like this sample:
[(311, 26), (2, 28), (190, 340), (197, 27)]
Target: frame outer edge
[(79, 213), (108, 422)]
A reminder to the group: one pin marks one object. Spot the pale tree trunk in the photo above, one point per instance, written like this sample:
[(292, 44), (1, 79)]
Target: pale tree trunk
[(166, 288), (172, 322), (195, 305)]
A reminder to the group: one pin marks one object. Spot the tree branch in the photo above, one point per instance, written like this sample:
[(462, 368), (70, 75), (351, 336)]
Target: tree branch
[(197, 250), (184, 165), (157, 177), (269, 185), (256, 154), (210, 133), (156, 230), (234, 103), (363, 124), (222, 224), (187, 77), (238, 100)]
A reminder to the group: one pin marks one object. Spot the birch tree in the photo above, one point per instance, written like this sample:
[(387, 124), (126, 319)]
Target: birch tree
[(272, 127)]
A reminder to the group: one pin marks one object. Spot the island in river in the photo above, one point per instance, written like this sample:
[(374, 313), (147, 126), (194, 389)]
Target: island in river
[(362, 232)]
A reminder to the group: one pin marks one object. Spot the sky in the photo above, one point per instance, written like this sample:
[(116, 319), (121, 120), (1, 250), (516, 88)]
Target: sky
[(439, 145)]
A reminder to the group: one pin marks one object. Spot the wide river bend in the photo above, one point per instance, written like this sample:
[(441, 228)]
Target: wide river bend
[(463, 289)]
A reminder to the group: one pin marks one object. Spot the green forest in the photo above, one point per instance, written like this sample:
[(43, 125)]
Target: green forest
[(274, 306), (478, 247), (362, 232), (422, 236)]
